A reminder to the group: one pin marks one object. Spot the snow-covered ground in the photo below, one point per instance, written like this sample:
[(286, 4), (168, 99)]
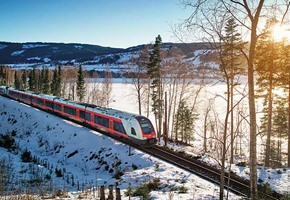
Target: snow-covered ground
[(88, 158)]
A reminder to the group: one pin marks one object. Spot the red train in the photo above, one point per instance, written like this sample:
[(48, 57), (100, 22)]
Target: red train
[(135, 128)]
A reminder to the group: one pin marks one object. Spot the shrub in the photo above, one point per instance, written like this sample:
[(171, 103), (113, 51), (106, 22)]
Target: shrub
[(156, 168), (58, 172), (118, 174), (7, 141), (242, 164), (134, 167), (142, 191), (182, 190), (128, 192), (153, 185), (26, 156)]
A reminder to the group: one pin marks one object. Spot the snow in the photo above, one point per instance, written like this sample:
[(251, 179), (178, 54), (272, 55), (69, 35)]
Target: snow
[(78, 46), (55, 140), (34, 58), (80, 151), (29, 46), (17, 53), (3, 46), (46, 59)]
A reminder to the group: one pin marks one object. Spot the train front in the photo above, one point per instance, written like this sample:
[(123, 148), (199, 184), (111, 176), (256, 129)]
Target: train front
[(147, 131)]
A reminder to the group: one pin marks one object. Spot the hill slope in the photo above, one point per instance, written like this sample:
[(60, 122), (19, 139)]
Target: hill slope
[(60, 53)]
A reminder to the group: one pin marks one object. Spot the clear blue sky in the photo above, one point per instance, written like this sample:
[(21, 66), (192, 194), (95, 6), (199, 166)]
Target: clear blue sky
[(114, 23)]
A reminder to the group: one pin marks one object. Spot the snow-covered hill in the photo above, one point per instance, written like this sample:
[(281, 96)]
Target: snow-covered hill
[(85, 158), (50, 54)]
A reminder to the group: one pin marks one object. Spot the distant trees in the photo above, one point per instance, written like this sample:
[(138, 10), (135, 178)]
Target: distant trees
[(16, 80), (32, 80), (2, 75), (81, 84), (55, 86)]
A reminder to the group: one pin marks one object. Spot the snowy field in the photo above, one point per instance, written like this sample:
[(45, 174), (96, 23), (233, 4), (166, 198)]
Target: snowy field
[(88, 158)]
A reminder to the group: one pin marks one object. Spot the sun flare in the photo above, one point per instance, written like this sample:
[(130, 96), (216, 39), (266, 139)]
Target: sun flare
[(281, 33)]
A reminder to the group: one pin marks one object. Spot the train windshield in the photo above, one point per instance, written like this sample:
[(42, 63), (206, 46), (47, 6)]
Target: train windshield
[(146, 125)]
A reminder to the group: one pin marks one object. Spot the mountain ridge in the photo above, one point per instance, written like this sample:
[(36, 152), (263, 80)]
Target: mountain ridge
[(70, 53)]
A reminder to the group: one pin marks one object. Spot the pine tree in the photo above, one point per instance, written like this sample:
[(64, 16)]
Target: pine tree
[(81, 84), (2, 75), (16, 80), (32, 80), (24, 80), (46, 81), (55, 86), (267, 66), (154, 73), (231, 67), (280, 127), (285, 83), (184, 122)]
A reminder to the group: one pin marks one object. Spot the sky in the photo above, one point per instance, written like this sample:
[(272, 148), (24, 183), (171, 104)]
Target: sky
[(114, 23)]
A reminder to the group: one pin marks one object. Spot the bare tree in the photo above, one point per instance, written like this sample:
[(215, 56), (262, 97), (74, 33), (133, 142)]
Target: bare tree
[(107, 87), (138, 75)]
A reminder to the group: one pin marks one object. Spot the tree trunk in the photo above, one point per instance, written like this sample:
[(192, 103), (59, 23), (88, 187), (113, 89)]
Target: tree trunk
[(232, 107), (252, 110)]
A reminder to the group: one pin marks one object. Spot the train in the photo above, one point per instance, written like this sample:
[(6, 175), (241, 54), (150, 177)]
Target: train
[(134, 128)]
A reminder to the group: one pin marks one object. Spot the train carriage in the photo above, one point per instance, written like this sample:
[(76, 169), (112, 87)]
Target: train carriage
[(135, 128)]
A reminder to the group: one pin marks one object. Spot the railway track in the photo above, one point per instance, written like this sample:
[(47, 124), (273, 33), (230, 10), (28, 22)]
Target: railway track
[(237, 185)]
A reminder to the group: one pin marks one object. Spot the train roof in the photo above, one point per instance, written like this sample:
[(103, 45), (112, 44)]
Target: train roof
[(106, 111), (98, 109)]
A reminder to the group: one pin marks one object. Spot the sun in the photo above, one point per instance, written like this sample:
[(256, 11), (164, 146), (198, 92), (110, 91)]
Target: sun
[(281, 33)]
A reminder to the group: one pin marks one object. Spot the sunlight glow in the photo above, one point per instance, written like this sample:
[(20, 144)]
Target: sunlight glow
[(281, 33)]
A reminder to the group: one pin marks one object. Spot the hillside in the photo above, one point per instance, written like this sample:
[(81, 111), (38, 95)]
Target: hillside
[(67, 156), (73, 53)]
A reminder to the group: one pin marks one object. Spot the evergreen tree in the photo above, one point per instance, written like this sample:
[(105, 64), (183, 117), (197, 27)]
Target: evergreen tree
[(280, 128), (16, 80), (81, 84), (32, 80), (46, 81), (231, 67), (24, 80), (184, 122), (2, 75), (40, 80), (267, 66), (285, 80), (154, 73), (55, 86)]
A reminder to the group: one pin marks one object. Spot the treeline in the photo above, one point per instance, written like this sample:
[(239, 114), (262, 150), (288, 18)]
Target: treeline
[(63, 81)]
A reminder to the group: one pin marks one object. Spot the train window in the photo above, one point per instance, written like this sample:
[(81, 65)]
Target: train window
[(49, 104), (145, 124), (118, 126), (85, 115), (82, 114), (101, 121), (57, 107), (88, 116), (39, 101), (70, 111), (133, 132)]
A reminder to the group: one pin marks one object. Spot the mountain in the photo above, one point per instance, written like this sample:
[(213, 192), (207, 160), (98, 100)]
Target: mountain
[(74, 53)]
